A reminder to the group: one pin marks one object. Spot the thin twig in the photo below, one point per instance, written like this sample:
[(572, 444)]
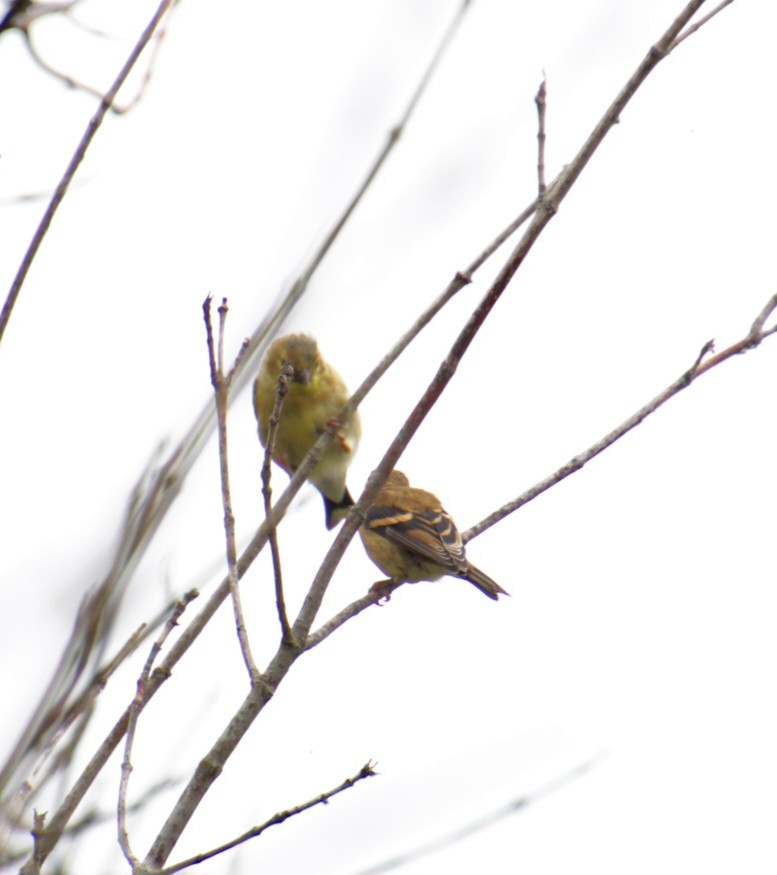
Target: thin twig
[(366, 771), (286, 374), (540, 100), (221, 391), (78, 156), (135, 707), (691, 29), (23, 23), (700, 366)]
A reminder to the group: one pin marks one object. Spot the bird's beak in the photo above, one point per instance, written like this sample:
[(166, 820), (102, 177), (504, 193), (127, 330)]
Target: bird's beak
[(302, 375)]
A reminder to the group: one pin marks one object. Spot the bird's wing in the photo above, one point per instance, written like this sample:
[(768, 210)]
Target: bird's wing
[(430, 533)]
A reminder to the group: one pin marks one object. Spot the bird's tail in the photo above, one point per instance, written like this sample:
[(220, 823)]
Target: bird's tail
[(336, 511), (484, 583)]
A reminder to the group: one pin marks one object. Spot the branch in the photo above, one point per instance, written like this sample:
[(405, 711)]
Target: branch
[(546, 209), (282, 389), (78, 156), (366, 771), (135, 708), (348, 613), (540, 100), (753, 338), (220, 385)]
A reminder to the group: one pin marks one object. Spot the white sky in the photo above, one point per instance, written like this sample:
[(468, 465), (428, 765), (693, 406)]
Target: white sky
[(641, 621)]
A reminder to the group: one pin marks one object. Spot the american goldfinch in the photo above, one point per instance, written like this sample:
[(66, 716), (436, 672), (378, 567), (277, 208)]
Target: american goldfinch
[(410, 537), (315, 397)]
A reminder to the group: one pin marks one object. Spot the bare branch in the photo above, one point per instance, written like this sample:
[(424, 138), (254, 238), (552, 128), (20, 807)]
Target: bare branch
[(135, 708), (754, 337), (78, 156), (282, 389), (540, 100), (221, 390), (366, 771)]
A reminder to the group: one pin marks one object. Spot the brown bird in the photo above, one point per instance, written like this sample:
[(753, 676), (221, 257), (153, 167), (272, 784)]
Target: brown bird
[(315, 397), (410, 537)]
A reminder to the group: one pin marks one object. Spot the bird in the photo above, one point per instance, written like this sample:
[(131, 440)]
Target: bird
[(316, 395), (408, 534)]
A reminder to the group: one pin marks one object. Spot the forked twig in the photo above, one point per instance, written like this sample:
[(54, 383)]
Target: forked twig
[(220, 384)]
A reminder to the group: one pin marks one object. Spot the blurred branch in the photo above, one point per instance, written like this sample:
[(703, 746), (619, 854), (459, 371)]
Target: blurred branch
[(106, 102), (91, 629), (516, 806), (59, 719), (22, 14), (366, 771), (91, 819), (750, 341)]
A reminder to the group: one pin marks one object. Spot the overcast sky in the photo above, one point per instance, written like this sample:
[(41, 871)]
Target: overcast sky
[(640, 630)]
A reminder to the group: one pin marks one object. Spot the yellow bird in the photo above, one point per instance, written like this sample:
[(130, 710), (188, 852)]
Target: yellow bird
[(410, 537), (315, 397)]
